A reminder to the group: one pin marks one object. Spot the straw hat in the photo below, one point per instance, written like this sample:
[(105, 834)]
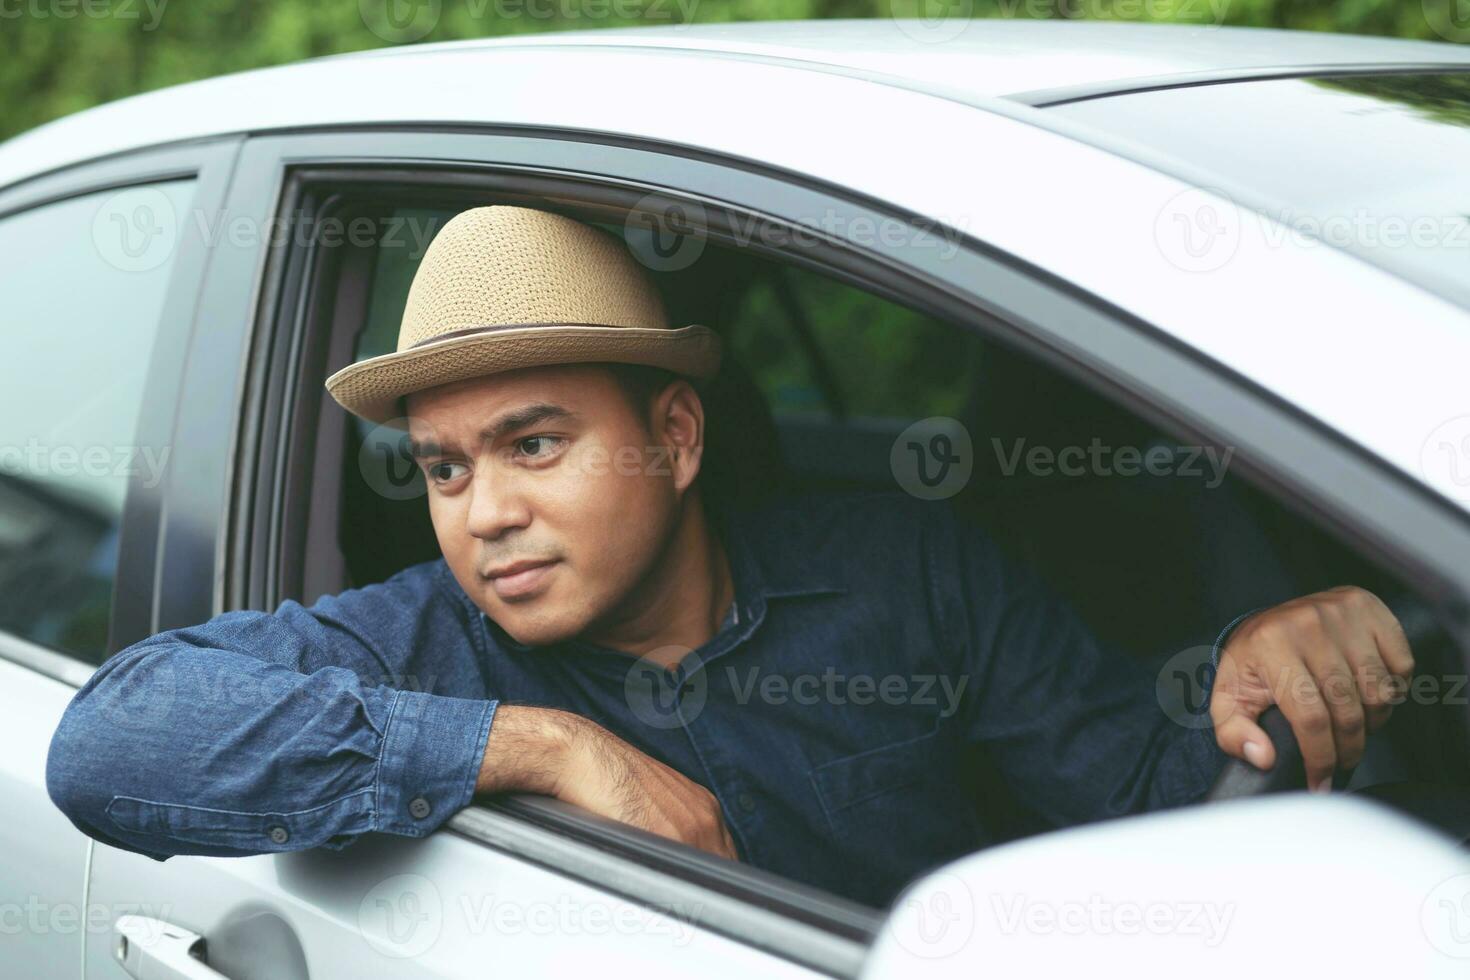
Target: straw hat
[(506, 287)]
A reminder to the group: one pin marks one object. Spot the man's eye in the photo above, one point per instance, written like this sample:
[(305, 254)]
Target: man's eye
[(442, 472), (537, 446)]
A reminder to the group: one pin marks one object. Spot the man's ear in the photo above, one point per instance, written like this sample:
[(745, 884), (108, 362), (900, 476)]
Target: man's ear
[(678, 423)]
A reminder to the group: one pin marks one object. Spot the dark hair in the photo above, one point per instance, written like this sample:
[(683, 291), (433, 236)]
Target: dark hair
[(742, 460), (640, 384)]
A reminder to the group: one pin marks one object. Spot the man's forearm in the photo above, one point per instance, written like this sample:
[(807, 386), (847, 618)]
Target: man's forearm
[(557, 753), (528, 750)]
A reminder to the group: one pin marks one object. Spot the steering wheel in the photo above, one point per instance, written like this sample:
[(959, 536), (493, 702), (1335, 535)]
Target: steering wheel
[(1241, 779)]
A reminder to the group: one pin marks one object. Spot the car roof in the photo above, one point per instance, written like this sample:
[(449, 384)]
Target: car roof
[(976, 61), (1026, 60)]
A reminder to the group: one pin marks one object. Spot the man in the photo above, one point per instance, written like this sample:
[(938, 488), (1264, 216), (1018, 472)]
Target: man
[(797, 684)]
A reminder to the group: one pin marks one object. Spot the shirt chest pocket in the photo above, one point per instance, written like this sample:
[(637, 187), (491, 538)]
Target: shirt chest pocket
[(898, 809)]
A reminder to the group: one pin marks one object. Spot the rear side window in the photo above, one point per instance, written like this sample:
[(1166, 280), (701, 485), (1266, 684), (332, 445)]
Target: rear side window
[(82, 289), (823, 350)]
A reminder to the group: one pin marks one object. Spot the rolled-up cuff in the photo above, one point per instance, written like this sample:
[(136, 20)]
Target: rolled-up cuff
[(1224, 636), (432, 750)]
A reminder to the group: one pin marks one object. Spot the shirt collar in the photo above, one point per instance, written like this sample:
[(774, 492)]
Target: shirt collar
[(766, 561)]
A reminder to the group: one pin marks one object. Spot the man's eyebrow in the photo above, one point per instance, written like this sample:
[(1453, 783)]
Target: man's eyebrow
[(519, 418)]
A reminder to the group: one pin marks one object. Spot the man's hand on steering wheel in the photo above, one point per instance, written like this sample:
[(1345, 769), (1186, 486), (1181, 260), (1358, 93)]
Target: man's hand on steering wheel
[(1335, 662)]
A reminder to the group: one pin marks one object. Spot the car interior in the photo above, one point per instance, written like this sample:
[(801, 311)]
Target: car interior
[(822, 375)]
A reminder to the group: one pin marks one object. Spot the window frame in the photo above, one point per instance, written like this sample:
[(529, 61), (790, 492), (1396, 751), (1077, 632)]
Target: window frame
[(1290, 455), (207, 164)]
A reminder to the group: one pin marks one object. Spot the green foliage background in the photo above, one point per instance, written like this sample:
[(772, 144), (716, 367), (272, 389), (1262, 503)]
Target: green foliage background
[(59, 56)]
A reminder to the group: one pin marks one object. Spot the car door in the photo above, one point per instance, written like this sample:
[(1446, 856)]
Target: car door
[(94, 283)]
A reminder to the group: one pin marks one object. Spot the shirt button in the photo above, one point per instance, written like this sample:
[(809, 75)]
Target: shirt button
[(419, 807), (746, 801), (279, 835)]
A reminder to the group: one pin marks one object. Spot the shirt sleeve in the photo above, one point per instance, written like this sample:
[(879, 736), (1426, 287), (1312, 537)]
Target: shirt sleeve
[(258, 732), (1219, 645), (1076, 728)]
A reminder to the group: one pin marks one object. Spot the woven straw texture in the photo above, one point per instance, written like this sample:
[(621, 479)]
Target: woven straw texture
[(516, 265), (559, 291)]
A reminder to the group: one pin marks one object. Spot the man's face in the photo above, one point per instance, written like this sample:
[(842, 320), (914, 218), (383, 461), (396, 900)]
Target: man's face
[(545, 525)]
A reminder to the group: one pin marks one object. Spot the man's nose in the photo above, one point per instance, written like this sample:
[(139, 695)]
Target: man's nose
[(497, 504)]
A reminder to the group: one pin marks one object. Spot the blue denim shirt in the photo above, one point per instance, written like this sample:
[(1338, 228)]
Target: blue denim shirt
[(876, 648)]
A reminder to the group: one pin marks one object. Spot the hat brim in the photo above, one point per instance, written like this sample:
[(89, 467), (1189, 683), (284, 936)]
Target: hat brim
[(372, 388)]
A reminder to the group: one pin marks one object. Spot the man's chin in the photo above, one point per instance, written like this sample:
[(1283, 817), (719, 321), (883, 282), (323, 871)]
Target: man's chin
[(560, 612), (533, 629)]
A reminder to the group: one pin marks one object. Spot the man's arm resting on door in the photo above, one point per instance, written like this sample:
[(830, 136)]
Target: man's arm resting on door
[(557, 753), (258, 732)]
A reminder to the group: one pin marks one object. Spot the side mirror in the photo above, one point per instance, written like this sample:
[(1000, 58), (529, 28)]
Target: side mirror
[(1287, 886)]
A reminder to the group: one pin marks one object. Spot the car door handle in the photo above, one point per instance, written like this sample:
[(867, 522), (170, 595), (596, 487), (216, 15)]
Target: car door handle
[(151, 949)]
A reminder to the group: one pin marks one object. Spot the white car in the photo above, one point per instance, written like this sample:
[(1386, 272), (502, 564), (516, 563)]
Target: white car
[(1220, 278)]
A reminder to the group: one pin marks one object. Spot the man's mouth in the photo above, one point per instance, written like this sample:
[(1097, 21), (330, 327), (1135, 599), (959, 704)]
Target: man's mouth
[(520, 579)]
